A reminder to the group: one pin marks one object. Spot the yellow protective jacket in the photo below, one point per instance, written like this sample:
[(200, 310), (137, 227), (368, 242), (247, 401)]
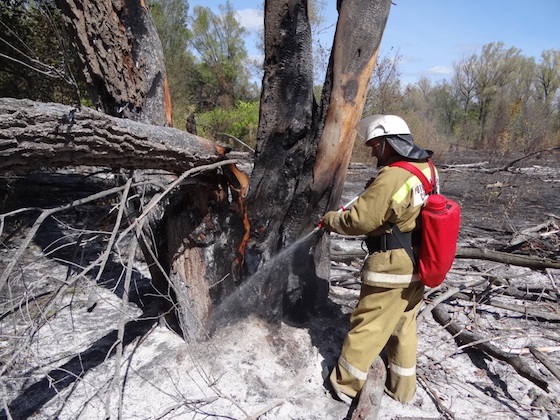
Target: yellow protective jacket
[(395, 197)]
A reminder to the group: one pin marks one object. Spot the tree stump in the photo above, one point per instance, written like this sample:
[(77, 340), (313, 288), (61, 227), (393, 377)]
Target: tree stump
[(369, 401)]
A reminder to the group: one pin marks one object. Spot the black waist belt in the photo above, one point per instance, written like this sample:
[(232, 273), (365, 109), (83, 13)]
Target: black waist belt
[(389, 241)]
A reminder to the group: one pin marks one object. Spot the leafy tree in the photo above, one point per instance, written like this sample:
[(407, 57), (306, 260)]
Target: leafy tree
[(547, 80), (171, 18), (218, 41), (384, 96), (495, 69), (35, 62)]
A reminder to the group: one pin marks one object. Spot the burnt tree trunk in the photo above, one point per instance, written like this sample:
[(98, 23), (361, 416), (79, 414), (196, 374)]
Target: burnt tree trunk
[(303, 149), (205, 244), (201, 222), (35, 135)]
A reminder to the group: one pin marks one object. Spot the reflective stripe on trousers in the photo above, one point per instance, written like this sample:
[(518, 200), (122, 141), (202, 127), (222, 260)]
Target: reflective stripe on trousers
[(382, 318)]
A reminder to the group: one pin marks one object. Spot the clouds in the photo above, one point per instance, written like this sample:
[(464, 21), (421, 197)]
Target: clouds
[(250, 19), (440, 70)]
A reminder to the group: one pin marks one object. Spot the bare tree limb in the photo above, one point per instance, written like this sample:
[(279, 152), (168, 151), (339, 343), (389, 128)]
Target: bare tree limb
[(525, 310)]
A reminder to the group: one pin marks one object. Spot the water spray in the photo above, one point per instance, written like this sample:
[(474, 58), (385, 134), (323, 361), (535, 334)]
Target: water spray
[(250, 287)]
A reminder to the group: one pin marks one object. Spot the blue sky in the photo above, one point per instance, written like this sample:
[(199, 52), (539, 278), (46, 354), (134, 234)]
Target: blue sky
[(430, 35)]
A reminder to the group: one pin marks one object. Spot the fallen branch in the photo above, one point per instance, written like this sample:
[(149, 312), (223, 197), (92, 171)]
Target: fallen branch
[(446, 295), (532, 233), (369, 401), (527, 311), (527, 350), (435, 397), (506, 258), (37, 135), (463, 337), (265, 410), (546, 362), (339, 255), (513, 162)]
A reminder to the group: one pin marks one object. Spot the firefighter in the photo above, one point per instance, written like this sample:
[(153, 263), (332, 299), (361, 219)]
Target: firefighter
[(391, 292)]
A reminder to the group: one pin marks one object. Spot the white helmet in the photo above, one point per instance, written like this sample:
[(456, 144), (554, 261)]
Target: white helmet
[(381, 125), (395, 131)]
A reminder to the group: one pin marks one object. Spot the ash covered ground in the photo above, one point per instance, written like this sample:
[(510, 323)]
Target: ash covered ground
[(252, 370)]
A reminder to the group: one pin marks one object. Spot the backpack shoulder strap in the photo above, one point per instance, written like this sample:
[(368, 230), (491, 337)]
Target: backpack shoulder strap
[(428, 186)]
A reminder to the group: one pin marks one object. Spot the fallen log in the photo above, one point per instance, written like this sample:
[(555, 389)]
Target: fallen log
[(535, 263), (37, 135), (462, 337), (369, 401)]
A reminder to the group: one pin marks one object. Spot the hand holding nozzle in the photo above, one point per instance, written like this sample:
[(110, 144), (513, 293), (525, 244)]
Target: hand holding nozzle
[(341, 209)]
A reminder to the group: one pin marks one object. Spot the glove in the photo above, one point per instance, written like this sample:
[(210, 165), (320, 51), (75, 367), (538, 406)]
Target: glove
[(326, 221)]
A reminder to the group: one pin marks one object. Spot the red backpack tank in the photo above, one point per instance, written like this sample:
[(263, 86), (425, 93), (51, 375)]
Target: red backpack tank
[(440, 222)]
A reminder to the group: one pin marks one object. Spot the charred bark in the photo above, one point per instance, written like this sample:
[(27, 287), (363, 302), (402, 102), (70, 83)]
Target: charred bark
[(303, 150), (122, 56), (123, 61)]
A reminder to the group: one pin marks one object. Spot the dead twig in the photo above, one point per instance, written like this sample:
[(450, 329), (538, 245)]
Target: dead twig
[(435, 397), (115, 383), (39, 221), (265, 410)]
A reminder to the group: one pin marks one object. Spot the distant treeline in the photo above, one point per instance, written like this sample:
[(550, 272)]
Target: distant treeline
[(496, 99)]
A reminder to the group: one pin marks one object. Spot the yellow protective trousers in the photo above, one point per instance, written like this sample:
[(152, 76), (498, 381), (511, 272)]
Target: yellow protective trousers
[(383, 318)]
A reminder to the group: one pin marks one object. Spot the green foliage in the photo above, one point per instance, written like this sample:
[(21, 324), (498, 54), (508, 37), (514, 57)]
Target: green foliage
[(221, 73), (240, 122), (170, 18), (35, 61)]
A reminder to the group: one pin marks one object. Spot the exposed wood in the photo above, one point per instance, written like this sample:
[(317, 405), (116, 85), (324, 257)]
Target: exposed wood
[(354, 55), (303, 150), (463, 336), (34, 135)]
